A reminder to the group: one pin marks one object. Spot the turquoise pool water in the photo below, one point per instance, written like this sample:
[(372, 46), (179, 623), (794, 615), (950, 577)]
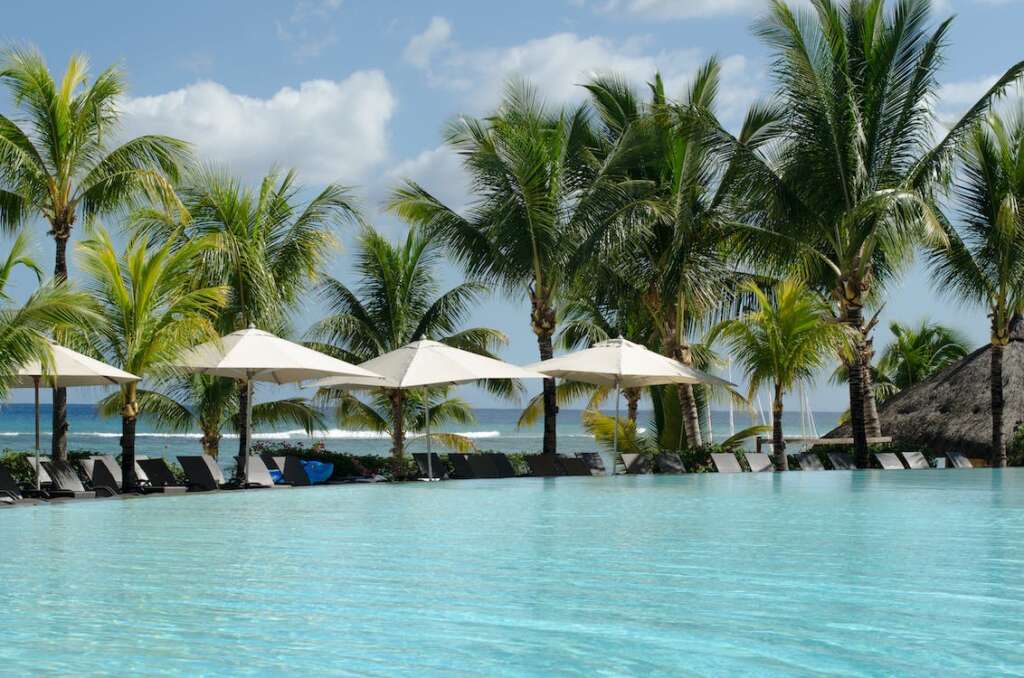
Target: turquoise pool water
[(864, 573)]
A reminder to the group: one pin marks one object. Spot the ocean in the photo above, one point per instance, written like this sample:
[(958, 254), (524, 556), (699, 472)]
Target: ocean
[(495, 429)]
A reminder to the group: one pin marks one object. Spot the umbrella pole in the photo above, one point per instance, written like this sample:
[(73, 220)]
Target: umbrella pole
[(35, 384), (615, 433), (248, 430), (426, 410)]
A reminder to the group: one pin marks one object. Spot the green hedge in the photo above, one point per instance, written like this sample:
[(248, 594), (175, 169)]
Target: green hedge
[(345, 465)]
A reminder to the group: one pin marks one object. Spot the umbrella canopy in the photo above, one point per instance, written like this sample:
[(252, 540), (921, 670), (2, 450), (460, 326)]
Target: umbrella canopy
[(623, 364), (427, 363), (617, 362), (255, 355), (71, 368), (67, 368)]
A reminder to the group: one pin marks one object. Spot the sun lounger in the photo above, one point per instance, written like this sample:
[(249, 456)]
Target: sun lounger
[(543, 465), (64, 481), (159, 477), (482, 465), (100, 476), (669, 463), (759, 462), (889, 461), (635, 464), (915, 460), (810, 461), (501, 462), (958, 460), (293, 472), (725, 462), (437, 467), (841, 461), (258, 476), (595, 461), (574, 466), (202, 473), (9, 489), (461, 466)]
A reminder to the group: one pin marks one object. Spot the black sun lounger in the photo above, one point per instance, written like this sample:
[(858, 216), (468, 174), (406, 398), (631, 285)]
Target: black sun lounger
[(635, 464), (543, 465), (574, 466), (437, 467), (594, 461), (9, 489), (202, 473), (758, 462), (841, 461), (65, 482), (958, 460), (669, 463), (159, 477), (461, 465), (482, 466), (725, 462), (810, 461), (501, 462), (915, 460), (101, 477), (292, 471), (889, 461), (257, 476)]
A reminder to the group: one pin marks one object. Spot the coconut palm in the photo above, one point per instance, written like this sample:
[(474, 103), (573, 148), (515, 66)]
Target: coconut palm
[(58, 163), (677, 264), (845, 188), (538, 192), (210, 404), (272, 247), (398, 300), (984, 262), (150, 311), (24, 329), (914, 354), (789, 338)]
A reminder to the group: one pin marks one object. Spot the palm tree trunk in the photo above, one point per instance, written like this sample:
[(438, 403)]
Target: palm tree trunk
[(243, 427), (397, 426), (691, 416), (632, 402), (129, 416), (778, 441), (854, 317), (872, 423), (211, 443), (998, 458), (59, 440), (542, 317)]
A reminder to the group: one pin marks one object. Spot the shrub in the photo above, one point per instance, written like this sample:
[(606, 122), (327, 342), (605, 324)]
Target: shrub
[(345, 465)]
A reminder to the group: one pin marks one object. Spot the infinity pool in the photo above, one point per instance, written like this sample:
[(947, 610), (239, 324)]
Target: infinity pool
[(881, 573)]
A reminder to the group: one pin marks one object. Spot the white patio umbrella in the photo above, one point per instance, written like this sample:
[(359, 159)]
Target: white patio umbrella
[(430, 363), (67, 368), (622, 364), (254, 355)]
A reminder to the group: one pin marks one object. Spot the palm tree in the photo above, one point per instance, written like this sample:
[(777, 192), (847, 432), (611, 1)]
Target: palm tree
[(675, 260), (150, 311), (539, 192), (915, 353), (785, 341), (845, 188), (398, 300), (57, 163), (24, 329), (271, 250), (210, 404), (984, 262)]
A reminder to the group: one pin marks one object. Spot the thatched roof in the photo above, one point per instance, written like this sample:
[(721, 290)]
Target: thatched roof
[(950, 411)]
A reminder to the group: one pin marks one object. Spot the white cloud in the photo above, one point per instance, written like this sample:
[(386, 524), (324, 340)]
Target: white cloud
[(559, 63), (328, 130), (305, 28), (440, 171), (682, 9), (422, 47)]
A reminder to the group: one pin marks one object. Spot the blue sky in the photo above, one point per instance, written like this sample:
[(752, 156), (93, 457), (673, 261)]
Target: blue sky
[(359, 91)]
